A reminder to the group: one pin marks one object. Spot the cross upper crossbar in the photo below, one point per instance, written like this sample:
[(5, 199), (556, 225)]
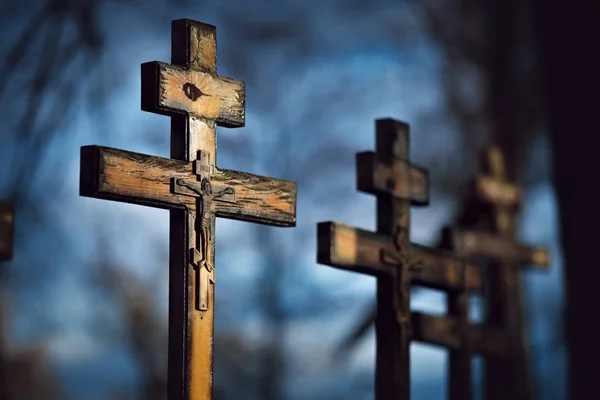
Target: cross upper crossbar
[(380, 174)]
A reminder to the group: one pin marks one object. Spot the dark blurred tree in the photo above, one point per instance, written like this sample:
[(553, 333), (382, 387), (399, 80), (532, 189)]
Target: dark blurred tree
[(568, 38), (45, 43)]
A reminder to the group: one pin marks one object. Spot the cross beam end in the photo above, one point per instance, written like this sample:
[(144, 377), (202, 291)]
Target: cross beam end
[(344, 247), (495, 247)]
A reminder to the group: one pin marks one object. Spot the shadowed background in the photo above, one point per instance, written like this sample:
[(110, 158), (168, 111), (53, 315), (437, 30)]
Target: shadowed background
[(84, 300)]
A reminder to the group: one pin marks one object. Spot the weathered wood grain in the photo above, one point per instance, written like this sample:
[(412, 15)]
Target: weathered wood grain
[(172, 89), (377, 174), (345, 247), (194, 45), (503, 249), (449, 333), (7, 229), (129, 177)]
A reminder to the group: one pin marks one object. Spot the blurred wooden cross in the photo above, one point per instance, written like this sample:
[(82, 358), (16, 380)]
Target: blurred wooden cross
[(7, 231), (192, 188), (506, 376), (353, 249), (389, 255), (397, 184)]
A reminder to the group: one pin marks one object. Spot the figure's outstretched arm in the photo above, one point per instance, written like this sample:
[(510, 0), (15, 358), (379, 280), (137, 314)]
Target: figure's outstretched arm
[(227, 190)]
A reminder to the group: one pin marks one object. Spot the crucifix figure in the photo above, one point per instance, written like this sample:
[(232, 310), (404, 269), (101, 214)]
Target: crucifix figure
[(397, 256), (194, 190), (203, 261)]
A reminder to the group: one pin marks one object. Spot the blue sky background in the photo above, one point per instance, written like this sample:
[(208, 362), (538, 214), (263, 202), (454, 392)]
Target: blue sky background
[(315, 86)]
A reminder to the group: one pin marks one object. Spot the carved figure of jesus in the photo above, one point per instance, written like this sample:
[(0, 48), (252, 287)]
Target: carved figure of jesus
[(206, 228)]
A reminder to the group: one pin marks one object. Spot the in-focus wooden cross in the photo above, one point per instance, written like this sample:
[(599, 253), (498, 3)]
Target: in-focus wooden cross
[(506, 376), (7, 229), (192, 188)]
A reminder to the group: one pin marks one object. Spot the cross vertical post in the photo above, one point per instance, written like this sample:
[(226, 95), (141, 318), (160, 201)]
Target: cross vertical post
[(194, 190), (7, 229), (392, 324)]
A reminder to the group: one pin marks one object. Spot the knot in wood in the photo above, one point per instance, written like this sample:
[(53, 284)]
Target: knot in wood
[(191, 91)]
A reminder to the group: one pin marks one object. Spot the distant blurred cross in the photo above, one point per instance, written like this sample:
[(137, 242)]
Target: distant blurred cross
[(7, 228), (508, 376), (189, 184), (353, 249)]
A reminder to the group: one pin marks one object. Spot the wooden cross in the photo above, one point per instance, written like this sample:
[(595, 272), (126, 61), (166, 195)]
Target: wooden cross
[(389, 256), (192, 188), (7, 231), (505, 376), (397, 184)]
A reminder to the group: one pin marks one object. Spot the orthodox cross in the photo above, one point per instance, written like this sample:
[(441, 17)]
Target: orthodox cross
[(397, 184), (389, 256), (192, 188), (506, 376), (7, 229)]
